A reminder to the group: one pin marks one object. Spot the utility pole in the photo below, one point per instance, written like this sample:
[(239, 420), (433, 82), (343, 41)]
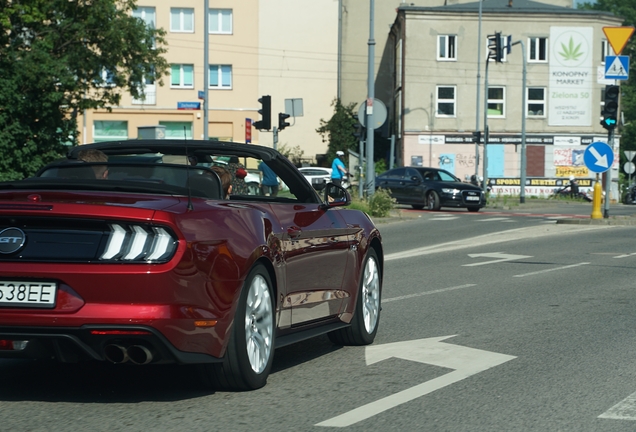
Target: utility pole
[(370, 180), (206, 67), (522, 182), (479, 42)]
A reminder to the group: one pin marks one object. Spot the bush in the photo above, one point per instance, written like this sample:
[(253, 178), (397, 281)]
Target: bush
[(381, 203)]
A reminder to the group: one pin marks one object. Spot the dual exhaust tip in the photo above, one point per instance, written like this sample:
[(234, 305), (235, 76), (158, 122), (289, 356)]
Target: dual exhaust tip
[(137, 354)]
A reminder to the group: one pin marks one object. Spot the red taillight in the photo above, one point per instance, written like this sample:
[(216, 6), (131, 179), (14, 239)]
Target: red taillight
[(11, 345), (6, 345), (119, 332)]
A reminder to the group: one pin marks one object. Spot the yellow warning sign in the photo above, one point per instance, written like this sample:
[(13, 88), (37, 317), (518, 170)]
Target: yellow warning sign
[(618, 37)]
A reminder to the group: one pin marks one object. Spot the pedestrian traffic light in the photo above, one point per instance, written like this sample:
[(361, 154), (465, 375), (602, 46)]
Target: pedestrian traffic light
[(495, 47), (477, 137), (610, 109), (282, 124), (265, 123)]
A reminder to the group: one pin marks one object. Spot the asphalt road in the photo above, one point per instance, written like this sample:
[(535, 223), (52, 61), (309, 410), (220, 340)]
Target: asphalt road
[(495, 321)]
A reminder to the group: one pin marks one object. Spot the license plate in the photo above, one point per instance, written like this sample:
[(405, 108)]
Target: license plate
[(27, 294), (471, 198)]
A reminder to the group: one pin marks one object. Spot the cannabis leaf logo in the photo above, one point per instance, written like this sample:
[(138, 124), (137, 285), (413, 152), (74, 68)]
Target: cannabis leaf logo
[(571, 52)]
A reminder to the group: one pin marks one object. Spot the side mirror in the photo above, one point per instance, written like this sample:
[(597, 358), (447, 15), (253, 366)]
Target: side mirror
[(416, 179), (335, 196)]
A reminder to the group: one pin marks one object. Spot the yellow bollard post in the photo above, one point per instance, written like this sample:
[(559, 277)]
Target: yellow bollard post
[(596, 200)]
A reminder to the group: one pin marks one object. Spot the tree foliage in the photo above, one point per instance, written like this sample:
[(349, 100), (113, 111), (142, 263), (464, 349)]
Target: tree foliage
[(59, 57), (338, 130)]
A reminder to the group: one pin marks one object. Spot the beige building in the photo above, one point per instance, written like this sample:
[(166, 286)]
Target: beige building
[(284, 49), (434, 98)]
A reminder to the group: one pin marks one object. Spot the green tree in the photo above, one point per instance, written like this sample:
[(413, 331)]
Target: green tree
[(59, 57), (338, 130)]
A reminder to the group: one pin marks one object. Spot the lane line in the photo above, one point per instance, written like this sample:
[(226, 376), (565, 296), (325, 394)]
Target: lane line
[(408, 296), (624, 410), (494, 219), (552, 269), (532, 232), (625, 255)]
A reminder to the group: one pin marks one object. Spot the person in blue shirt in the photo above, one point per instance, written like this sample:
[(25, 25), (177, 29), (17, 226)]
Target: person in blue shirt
[(269, 181), (338, 169)]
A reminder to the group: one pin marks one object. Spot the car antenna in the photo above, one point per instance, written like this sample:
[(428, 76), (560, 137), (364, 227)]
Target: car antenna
[(185, 138)]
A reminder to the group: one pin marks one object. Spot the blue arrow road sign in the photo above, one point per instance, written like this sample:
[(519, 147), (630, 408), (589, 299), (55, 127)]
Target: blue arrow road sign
[(617, 67), (598, 157)]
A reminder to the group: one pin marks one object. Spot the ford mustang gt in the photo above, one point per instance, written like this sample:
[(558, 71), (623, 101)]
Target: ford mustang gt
[(139, 257)]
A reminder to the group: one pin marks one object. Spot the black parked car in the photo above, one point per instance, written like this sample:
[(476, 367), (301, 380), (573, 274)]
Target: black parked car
[(431, 188)]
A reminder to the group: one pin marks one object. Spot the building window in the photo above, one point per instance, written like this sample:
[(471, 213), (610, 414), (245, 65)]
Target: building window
[(536, 102), (606, 50), (220, 21), (445, 101), (446, 47), (182, 76), (182, 20), (148, 15), (110, 131), (398, 64), (538, 49), (150, 90), (496, 101), (177, 130), (220, 76)]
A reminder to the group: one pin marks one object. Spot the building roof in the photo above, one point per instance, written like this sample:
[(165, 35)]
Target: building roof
[(507, 6)]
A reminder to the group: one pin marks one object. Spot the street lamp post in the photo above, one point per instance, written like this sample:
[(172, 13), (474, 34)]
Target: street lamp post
[(479, 42), (370, 180), (522, 180)]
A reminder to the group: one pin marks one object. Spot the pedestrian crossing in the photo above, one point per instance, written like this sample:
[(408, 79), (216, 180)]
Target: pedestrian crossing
[(496, 217)]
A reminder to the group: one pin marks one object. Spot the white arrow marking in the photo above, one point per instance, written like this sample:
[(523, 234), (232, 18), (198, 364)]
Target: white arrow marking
[(501, 257), (466, 362), (600, 160), (624, 410)]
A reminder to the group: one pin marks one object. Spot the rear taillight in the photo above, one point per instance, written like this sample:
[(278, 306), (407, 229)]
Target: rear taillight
[(12, 345), (137, 244)]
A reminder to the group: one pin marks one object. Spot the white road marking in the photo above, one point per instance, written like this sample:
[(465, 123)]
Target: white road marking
[(625, 255), (386, 300), (532, 232), (494, 219), (500, 257), (624, 410), (464, 360), (552, 269), (444, 218)]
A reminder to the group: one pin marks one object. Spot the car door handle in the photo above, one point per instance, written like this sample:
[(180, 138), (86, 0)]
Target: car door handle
[(294, 232)]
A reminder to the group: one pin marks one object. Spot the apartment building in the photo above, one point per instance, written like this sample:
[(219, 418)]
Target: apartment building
[(434, 97), (254, 50)]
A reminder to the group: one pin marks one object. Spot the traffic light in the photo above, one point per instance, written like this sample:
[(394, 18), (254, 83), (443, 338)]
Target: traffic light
[(610, 110), (496, 47), (477, 137), (265, 123), (282, 124)]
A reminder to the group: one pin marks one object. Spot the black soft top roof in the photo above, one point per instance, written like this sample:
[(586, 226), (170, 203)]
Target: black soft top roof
[(180, 147)]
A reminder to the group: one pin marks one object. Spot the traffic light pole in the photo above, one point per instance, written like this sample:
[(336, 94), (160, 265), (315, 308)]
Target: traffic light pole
[(608, 176), (484, 184)]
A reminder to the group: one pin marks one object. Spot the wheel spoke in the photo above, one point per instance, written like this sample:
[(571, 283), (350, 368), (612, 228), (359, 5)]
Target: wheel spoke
[(258, 324), (370, 295)]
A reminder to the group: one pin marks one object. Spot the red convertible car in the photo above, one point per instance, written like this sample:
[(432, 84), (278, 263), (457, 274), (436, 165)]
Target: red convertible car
[(139, 257)]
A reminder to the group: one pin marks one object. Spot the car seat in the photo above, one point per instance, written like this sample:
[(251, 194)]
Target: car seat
[(206, 185)]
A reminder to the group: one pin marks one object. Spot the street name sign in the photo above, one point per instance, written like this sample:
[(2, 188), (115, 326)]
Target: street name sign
[(598, 157), (617, 67), (618, 37)]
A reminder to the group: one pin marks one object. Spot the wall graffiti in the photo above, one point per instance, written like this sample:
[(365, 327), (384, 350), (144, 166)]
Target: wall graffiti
[(465, 160)]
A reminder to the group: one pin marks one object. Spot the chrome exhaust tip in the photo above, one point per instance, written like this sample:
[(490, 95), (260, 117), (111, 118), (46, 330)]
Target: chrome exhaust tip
[(139, 354), (115, 354)]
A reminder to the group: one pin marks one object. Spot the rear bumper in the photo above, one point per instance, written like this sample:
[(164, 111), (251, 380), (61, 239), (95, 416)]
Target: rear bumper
[(73, 344)]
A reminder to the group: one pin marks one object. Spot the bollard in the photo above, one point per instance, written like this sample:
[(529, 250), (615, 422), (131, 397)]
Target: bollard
[(596, 200)]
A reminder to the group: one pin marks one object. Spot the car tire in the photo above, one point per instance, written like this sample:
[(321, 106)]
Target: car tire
[(417, 206), (366, 317), (473, 209), (432, 201), (250, 351)]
